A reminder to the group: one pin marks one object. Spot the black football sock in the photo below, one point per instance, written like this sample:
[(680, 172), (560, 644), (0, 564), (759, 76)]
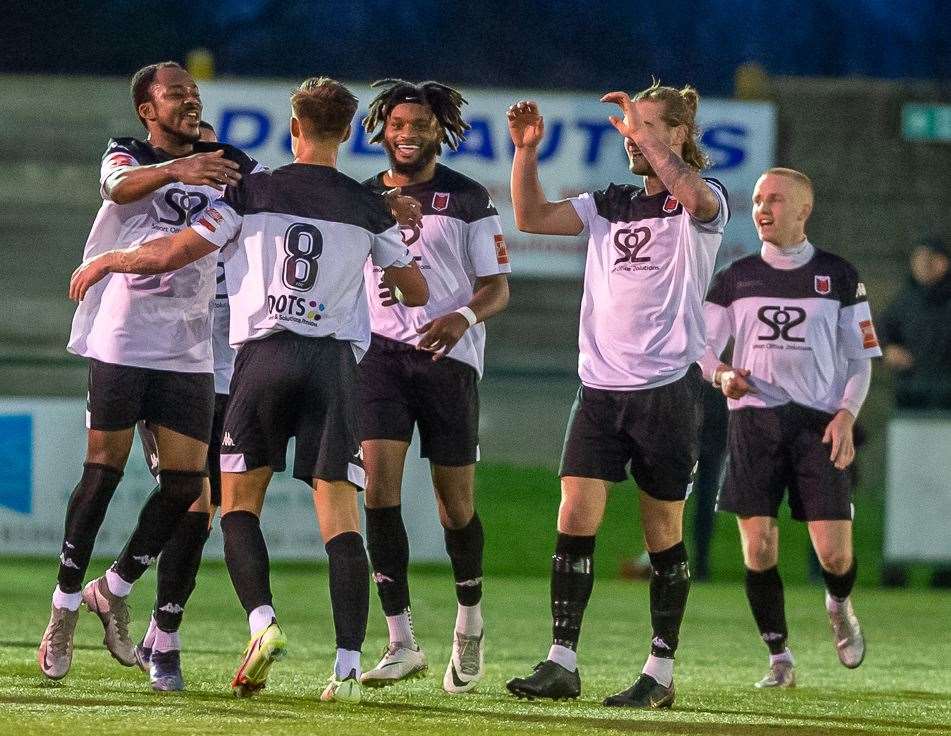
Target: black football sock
[(465, 553), (178, 569), (669, 586), (349, 589), (247, 559), (764, 591), (388, 546), (572, 578), (84, 515), (178, 490), (840, 586)]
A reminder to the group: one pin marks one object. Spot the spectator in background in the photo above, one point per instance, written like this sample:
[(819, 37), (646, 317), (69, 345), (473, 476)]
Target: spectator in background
[(916, 336)]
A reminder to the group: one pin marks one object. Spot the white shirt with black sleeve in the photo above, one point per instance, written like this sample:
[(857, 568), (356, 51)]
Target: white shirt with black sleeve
[(649, 263), (797, 325), (460, 240), (302, 235), (160, 322)]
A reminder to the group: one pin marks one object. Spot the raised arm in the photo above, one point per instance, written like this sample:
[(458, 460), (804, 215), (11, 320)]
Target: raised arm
[(155, 256), (681, 180), (533, 212), (132, 183)]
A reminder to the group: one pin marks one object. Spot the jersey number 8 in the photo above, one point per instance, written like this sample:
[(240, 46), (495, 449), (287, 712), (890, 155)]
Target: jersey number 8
[(303, 245)]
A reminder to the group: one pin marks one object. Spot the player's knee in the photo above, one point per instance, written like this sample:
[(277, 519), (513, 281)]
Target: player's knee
[(380, 494), (456, 515), (761, 553), (838, 562), (183, 485)]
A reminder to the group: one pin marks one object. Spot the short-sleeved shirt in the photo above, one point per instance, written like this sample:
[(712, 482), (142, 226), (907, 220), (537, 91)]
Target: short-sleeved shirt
[(795, 330), (160, 322), (303, 233), (649, 263), (460, 240)]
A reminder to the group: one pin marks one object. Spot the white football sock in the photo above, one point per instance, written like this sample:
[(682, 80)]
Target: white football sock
[(166, 641), (469, 619), (117, 586), (660, 668), (785, 656), (347, 661), (401, 629), (69, 601), (567, 658), (150, 633), (260, 618)]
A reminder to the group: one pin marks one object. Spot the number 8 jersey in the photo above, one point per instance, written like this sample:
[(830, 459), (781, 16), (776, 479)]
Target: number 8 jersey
[(159, 322), (304, 233)]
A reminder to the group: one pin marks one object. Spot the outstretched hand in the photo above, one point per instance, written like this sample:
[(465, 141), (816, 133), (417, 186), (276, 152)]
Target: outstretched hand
[(210, 169), (88, 275), (526, 125), (632, 121)]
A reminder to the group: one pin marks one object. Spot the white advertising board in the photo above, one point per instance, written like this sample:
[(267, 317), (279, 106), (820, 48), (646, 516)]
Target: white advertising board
[(918, 504), (42, 447), (581, 152)]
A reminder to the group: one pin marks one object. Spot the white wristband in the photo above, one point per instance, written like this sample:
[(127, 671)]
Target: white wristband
[(468, 314)]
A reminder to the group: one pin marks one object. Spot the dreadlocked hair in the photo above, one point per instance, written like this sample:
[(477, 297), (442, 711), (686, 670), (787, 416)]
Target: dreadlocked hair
[(680, 108), (445, 102)]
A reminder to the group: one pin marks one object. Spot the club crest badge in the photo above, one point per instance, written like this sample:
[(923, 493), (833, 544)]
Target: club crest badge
[(440, 201), (670, 204), (823, 285)]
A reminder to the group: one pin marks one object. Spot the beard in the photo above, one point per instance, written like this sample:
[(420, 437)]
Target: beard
[(640, 167), (427, 152), (181, 135)]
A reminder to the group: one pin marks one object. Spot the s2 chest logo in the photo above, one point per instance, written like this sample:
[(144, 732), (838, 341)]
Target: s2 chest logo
[(630, 242), (185, 206), (781, 321)]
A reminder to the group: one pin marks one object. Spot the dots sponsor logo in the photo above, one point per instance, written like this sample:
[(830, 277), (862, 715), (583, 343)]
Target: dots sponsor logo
[(288, 308)]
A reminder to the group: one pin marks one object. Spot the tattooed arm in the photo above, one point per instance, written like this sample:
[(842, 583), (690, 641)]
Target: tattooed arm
[(681, 180), (155, 256)]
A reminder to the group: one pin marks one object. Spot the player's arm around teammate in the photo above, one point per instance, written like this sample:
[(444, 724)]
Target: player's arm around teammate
[(174, 252)]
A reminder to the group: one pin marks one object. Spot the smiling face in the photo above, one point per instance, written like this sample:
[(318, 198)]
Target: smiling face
[(174, 105), (411, 138), (781, 207), (651, 113)]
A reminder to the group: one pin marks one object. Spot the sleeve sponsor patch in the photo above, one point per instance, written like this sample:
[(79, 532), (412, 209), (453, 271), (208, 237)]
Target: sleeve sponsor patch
[(860, 290), (501, 251), (214, 215), (869, 339), (206, 223), (118, 160)]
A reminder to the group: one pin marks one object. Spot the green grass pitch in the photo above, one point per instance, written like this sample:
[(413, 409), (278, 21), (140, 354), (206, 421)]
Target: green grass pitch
[(904, 687)]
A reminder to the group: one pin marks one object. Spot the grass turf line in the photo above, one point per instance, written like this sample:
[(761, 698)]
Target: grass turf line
[(903, 688)]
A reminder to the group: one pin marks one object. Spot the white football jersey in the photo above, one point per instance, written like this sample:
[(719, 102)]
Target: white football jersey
[(303, 233), (648, 267), (221, 349), (795, 330), (160, 322), (460, 240)]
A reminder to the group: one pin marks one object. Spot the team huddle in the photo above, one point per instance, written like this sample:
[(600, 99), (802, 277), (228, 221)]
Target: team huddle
[(225, 308)]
